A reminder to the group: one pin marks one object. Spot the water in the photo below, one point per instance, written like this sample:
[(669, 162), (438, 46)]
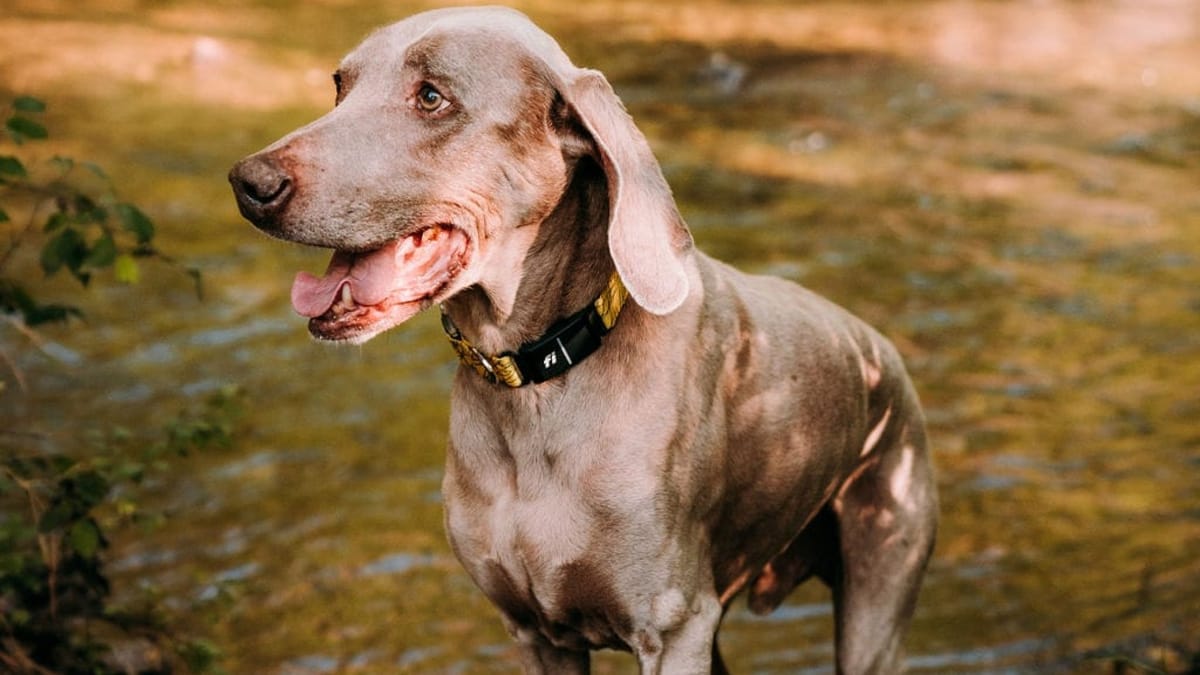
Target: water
[(1008, 189)]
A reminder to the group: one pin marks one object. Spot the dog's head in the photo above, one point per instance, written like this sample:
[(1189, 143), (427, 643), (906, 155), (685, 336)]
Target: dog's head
[(453, 137)]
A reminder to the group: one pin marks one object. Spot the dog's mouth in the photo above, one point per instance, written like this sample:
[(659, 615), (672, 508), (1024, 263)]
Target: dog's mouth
[(363, 294)]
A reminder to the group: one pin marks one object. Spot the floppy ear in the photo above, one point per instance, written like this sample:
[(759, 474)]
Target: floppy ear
[(647, 237)]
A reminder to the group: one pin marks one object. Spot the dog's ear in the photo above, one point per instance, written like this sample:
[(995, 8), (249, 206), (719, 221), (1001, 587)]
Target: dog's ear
[(647, 237)]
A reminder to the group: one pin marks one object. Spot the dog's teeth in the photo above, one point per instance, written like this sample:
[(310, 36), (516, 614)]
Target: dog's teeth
[(344, 302)]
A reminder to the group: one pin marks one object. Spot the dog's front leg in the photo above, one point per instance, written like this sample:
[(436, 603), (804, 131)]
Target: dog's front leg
[(683, 648)]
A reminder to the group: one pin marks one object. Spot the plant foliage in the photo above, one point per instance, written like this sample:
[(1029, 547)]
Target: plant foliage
[(73, 210), (58, 505), (54, 511)]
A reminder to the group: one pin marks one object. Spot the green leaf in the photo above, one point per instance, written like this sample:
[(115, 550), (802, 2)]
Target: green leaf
[(133, 220), (126, 269), (23, 127), (63, 164), (23, 467), (29, 104), (66, 248), (56, 220), (21, 617), (3, 216), (95, 168), (87, 210), (91, 487), (58, 515), (14, 298), (84, 537), (199, 655), (60, 463), (52, 313), (103, 252), (130, 470), (11, 166), (53, 254)]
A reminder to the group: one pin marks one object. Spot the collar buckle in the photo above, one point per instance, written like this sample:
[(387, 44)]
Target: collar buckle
[(483, 359), (564, 345)]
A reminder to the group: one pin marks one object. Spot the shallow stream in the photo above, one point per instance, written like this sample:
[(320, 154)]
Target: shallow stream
[(1009, 189)]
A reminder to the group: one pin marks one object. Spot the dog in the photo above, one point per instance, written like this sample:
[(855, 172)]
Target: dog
[(638, 432)]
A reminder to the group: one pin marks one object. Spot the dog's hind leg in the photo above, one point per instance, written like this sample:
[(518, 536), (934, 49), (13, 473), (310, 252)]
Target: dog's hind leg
[(887, 520), (718, 664)]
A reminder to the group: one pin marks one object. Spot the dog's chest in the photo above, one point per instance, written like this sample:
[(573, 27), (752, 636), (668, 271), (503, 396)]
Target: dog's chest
[(556, 522), (540, 541), (548, 569)]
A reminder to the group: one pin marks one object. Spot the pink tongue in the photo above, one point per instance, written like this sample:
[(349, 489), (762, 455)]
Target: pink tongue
[(371, 277)]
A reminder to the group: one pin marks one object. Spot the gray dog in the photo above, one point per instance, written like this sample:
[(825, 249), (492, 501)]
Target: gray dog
[(732, 432)]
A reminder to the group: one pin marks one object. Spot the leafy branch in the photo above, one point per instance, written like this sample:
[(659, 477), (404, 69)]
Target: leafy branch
[(53, 587), (74, 210), (56, 504)]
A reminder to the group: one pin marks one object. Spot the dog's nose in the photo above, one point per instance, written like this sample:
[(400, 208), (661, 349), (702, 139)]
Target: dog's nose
[(262, 189)]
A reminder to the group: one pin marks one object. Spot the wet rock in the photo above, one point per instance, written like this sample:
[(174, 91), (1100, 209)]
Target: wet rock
[(137, 657), (1134, 143), (208, 54), (811, 143), (723, 73)]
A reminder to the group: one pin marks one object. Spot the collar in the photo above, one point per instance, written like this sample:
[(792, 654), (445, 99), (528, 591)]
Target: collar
[(564, 345)]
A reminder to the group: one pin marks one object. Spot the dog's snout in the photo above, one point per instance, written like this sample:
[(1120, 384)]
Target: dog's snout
[(262, 188)]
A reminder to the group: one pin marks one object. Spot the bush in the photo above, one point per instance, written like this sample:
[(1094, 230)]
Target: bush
[(57, 504), (83, 227)]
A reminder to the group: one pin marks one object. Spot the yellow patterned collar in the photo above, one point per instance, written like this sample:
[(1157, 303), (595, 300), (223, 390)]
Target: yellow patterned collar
[(564, 345)]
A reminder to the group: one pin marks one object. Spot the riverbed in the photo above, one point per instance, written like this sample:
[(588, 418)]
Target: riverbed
[(1010, 190)]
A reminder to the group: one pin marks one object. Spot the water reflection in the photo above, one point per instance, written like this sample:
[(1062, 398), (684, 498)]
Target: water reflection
[(1006, 188)]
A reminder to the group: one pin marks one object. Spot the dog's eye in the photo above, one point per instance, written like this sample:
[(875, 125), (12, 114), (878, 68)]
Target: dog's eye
[(430, 99), (337, 85)]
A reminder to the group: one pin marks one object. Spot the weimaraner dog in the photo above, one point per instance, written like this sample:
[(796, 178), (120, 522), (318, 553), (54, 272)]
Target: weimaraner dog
[(639, 433)]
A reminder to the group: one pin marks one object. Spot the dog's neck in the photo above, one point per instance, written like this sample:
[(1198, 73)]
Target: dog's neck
[(564, 268)]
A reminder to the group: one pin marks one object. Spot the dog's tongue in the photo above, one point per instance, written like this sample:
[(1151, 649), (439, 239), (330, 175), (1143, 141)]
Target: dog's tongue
[(371, 277)]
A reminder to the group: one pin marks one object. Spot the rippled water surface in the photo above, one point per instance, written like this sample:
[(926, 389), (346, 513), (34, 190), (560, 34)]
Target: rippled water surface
[(1008, 189)]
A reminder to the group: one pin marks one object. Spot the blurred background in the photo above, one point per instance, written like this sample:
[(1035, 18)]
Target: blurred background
[(1009, 189)]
